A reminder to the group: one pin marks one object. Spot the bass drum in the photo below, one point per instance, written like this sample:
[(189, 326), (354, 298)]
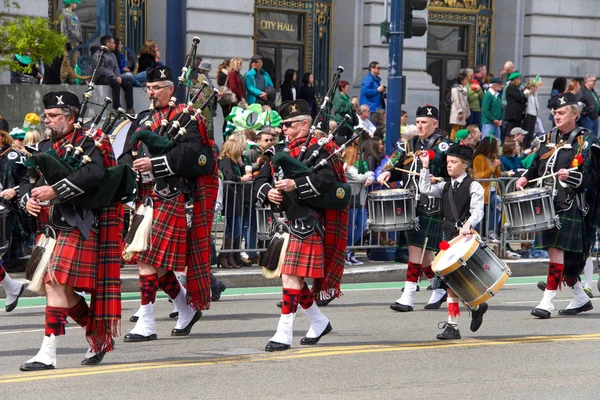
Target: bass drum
[(118, 137)]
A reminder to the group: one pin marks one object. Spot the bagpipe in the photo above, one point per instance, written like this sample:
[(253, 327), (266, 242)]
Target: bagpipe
[(118, 183), (171, 132)]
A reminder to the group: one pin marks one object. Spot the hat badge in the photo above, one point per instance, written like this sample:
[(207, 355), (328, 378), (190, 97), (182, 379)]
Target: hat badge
[(429, 111), (162, 73), (562, 100), (59, 101), (293, 109)]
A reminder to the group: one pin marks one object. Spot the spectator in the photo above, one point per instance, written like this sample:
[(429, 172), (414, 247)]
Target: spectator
[(531, 114), (511, 157), (487, 165), (480, 75), (470, 137), (504, 75), (146, 59), (288, 87), (359, 178), (70, 26), (332, 126), (475, 96), (342, 106), (589, 113), (373, 153), (108, 74), (517, 135), (307, 92), (364, 121), (211, 111), (33, 77), (558, 86), (257, 81), (459, 106), (223, 80), (371, 89), (236, 83), (516, 102), (378, 118), (126, 73)]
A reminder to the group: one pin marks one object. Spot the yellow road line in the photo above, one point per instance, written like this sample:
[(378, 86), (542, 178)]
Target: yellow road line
[(290, 355)]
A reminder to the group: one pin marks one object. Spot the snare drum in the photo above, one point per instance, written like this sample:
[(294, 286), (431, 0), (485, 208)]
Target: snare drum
[(392, 210), (264, 221), (529, 210), (471, 269)]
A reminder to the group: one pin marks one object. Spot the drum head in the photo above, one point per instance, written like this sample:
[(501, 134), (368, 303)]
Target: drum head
[(527, 192), (119, 136), (447, 261)]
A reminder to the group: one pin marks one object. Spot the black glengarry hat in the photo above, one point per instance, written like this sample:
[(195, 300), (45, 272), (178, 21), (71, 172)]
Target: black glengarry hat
[(61, 99), (563, 100), (463, 152), (291, 109), (159, 74), (428, 111)]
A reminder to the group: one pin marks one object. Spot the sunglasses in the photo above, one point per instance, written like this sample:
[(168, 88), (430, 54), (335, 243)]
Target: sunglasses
[(288, 124)]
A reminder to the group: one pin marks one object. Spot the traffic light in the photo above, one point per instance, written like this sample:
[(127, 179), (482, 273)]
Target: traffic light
[(414, 26)]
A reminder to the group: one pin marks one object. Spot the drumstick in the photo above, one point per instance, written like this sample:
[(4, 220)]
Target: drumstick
[(550, 175), (424, 250), (386, 185), (416, 173)]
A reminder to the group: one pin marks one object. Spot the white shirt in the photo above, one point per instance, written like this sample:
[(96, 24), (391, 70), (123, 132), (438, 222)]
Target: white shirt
[(476, 193), (367, 125)]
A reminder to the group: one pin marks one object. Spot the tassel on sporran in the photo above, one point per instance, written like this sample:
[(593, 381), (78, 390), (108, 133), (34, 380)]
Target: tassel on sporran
[(273, 259), (139, 233)]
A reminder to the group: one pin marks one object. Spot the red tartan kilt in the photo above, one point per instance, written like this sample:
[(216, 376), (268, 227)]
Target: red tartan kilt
[(167, 247), (304, 257), (75, 260)]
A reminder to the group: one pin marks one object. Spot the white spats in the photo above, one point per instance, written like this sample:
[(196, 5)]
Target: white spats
[(436, 296), (547, 302), (186, 313), (12, 289), (145, 325), (579, 297), (318, 321), (285, 329), (408, 296), (47, 353)]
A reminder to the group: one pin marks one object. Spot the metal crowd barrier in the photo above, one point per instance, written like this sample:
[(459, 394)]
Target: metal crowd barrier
[(240, 227)]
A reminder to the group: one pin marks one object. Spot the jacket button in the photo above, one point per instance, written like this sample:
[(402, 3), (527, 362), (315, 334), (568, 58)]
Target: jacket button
[(62, 219)]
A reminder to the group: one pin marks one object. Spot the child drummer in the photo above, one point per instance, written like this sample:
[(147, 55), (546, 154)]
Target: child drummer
[(462, 209)]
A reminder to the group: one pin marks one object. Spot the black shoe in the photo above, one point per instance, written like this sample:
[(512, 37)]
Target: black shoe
[(174, 314), (541, 285), (541, 314), (279, 304), (97, 359), (217, 290), (309, 341), (450, 333), (275, 346), (437, 304), (401, 307), (134, 337), (186, 331), (477, 317), (13, 305), (35, 366), (133, 318), (324, 303), (429, 287), (574, 311)]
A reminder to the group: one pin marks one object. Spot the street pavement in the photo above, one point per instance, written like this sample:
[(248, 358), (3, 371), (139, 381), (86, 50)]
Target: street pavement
[(372, 352)]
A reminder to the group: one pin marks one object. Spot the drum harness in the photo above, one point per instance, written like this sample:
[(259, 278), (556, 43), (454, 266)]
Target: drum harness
[(551, 163), (433, 205)]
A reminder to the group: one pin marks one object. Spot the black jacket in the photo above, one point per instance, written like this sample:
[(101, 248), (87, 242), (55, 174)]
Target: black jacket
[(308, 93), (286, 92), (236, 194), (516, 104), (590, 108)]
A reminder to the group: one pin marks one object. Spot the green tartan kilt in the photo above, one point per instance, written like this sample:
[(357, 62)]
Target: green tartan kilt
[(574, 235), (430, 226)]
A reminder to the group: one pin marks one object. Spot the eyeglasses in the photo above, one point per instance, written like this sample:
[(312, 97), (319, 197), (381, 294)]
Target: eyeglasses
[(288, 124), (51, 116), (377, 67), (154, 89)]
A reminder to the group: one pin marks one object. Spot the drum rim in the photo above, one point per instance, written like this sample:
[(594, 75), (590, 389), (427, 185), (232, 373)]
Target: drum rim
[(391, 192), (495, 288), (454, 266), (527, 192)]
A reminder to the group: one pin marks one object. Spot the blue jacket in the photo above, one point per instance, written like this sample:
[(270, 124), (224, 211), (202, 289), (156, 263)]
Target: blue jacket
[(368, 92), (254, 92), (511, 163)]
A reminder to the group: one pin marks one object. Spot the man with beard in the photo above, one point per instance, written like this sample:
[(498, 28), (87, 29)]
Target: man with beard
[(572, 155), (86, 255), (166, 180)]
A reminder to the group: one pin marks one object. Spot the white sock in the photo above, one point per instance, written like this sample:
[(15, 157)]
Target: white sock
[(588, 273)]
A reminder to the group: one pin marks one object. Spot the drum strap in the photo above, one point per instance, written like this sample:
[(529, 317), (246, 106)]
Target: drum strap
[(453, 207)]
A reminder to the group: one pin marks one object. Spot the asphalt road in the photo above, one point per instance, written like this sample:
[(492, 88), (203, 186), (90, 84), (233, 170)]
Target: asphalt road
[(372, 352)]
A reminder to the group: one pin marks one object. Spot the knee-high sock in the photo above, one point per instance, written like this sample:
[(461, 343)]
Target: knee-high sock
[(2, 273), (80, 312), (428, 272), (306, 299), (289, 304), (56, 320), (588, 273), (453, 310), (148, 288), (413, 273), (555, 273), (169, 284)]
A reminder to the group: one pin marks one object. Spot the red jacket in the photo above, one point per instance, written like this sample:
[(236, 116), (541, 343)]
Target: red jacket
[(236, 84)]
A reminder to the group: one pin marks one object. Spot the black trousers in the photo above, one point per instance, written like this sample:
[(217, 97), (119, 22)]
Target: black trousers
[(116, 91)]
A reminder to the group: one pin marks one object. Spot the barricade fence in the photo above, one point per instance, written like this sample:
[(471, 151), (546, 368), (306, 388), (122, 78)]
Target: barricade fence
[(241, 226)]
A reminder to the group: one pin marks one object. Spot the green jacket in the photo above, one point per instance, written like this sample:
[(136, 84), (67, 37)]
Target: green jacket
[(474, 97), (491, 109), (341, 106)]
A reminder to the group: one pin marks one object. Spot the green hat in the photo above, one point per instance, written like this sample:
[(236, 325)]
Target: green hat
[(69, 2), (514, 75), (460, 135), (17, 133)]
